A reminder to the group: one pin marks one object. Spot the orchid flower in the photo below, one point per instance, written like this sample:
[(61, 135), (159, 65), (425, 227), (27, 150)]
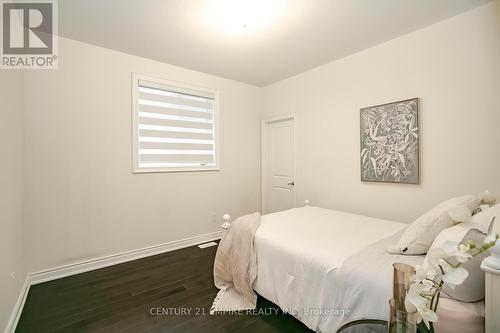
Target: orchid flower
[(453, 276), (415, 300), (460, 252), (428, 316), (424, 273), (442, 266), (433, 261), (490, 240)]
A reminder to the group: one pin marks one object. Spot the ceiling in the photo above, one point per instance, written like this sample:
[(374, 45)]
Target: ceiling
[(281, 39)]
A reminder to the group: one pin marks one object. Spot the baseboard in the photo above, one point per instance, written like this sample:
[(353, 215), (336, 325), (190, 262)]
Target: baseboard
[(93, 264), (18, 307)]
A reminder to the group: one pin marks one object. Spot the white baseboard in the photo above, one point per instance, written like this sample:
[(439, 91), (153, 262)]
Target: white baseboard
[(18, 307), (93, 264)]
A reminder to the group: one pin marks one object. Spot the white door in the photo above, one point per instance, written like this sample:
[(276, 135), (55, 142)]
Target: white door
[(278, 146)]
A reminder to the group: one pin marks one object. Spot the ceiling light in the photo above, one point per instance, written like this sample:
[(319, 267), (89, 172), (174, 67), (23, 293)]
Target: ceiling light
[(242, 16)]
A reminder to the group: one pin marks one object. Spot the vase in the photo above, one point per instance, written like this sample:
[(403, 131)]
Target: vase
[(400, 320), (401, 283)]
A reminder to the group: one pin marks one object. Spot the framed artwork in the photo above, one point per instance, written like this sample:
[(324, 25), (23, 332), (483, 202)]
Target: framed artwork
[(390, 140)]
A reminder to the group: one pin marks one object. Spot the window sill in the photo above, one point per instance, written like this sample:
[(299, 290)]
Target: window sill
[(159, 170)]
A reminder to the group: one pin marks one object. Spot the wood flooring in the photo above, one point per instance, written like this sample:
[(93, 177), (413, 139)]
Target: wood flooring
[(170, 292)]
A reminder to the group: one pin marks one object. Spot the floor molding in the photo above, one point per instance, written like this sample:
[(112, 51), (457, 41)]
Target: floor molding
[(93, 264), (18, 308)]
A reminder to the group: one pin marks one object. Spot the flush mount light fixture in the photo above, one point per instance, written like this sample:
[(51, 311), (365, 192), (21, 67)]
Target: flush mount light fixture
[(234, 17)]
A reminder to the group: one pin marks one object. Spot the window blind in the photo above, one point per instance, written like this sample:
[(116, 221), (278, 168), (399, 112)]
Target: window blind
[(176, 127)]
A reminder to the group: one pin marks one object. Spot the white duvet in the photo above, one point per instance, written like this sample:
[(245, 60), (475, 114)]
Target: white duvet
[(299, 253)]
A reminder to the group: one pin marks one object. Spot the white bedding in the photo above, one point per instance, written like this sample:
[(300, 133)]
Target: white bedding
[(299, 252), (327, 268)]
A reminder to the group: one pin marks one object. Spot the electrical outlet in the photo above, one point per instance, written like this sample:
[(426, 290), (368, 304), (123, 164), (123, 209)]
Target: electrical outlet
[(213, 218)]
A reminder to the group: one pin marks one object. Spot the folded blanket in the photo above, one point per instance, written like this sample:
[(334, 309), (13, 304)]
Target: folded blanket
[(235, 267)]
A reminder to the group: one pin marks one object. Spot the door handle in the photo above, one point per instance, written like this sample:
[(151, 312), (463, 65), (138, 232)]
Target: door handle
[(291, 184)]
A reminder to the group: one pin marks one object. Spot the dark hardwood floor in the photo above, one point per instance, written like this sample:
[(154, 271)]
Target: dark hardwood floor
[(145, 295)]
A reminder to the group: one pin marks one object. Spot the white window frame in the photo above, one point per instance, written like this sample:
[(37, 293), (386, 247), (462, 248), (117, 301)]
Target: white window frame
[(135, 124)]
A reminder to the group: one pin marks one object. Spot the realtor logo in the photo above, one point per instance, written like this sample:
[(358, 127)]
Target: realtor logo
[(29, 34)]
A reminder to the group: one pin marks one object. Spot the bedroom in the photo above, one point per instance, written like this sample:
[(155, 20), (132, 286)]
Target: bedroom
[(96, 209)]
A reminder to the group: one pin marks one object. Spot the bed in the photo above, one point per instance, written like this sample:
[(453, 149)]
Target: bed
[(327, 268)]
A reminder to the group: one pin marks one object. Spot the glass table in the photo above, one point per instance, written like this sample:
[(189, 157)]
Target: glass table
[(364, 326)]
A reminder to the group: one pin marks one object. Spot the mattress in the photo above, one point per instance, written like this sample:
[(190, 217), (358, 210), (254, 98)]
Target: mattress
[(327, 267), (299, 251)]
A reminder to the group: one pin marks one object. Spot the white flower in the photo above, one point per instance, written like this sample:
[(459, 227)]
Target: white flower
[(415, 298), (433, 256), (453, 276), (427, 316), (416, 301), (442, 266), (460, 252), (433, 260), (424, 273), (490, 239)]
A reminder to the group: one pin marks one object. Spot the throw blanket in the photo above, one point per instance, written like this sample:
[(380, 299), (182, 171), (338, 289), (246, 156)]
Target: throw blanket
[(235, 267)]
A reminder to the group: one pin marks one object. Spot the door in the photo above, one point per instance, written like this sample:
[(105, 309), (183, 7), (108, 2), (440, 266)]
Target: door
[(278, 173)]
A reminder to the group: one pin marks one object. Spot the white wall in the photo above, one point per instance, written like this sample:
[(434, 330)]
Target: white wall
[(11, 185), (83, 200), (453, 66)]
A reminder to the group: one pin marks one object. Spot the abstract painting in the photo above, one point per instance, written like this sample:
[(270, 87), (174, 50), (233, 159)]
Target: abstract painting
[(390, 142)]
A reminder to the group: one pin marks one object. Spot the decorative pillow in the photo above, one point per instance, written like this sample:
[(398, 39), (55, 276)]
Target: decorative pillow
[(472, 289), (417, 238), (488, 198), (482, 220)]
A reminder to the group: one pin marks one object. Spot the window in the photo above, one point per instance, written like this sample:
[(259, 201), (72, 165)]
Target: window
[(174, 127)]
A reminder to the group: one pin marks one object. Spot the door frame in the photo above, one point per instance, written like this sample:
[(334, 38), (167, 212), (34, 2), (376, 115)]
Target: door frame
[(264, 153)]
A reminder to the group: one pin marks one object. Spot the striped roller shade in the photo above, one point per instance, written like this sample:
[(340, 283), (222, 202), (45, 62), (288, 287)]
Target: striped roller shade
[(176, 127)]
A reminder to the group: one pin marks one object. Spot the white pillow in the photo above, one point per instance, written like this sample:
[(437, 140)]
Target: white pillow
[(417, 238), (472, 289), (488, 198), (483, 219)]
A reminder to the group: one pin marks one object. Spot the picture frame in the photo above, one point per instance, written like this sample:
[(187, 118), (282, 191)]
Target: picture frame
[(390, 142)]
